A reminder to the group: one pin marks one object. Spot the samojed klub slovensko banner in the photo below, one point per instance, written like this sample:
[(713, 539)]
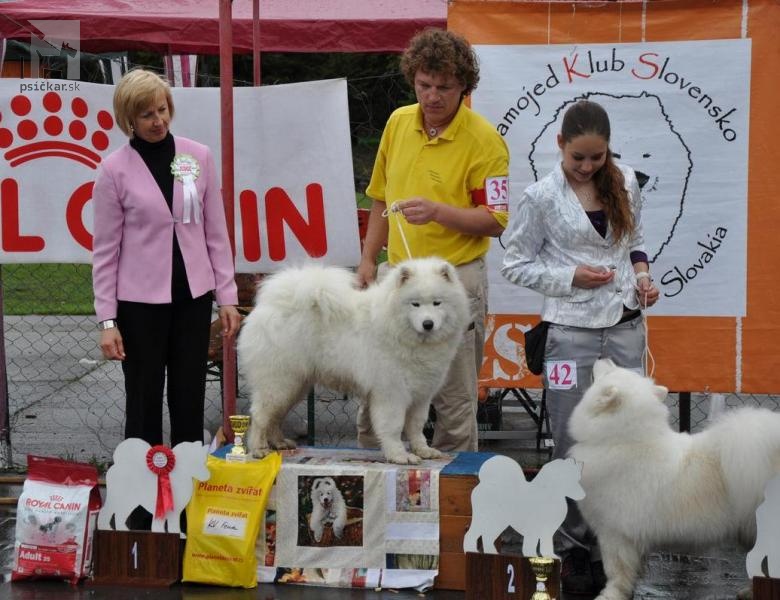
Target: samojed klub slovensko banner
[(683, 127), (294, 188)]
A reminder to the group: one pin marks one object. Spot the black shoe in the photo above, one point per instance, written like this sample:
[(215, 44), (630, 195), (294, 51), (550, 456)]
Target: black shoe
[(576, 577), (598, 575)]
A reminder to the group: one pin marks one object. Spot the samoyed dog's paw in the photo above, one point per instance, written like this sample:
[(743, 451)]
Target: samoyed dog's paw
[(611, 594), (746, 593), (427, 452), (403, 458), (261, 452), (284, 444)]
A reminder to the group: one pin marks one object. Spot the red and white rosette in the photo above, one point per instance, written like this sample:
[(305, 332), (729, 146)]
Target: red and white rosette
[(161, 460)]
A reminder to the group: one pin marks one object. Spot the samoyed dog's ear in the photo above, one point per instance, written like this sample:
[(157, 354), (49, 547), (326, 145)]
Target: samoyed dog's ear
[(404, 274), (447, 272), (608, 400), (602, 367)]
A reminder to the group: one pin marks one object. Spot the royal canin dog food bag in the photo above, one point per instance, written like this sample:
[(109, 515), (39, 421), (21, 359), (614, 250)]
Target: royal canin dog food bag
[(55, 520)]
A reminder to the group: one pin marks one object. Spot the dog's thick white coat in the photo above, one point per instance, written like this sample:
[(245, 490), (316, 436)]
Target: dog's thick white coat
[(648, 486), (390, 345), (327, 506)]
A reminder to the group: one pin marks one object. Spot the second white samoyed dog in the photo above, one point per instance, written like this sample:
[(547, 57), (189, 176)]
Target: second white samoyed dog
[(648, 486), (390, 345)]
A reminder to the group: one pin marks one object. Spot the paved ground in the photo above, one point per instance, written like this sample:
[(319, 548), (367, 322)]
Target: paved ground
[(712, 576), (50, 591)]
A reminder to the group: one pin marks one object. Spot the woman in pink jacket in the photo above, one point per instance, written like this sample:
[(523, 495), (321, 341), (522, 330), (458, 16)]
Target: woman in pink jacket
[(161, 256)]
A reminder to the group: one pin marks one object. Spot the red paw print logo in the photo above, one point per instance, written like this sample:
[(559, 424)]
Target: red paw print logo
[(67, 130)]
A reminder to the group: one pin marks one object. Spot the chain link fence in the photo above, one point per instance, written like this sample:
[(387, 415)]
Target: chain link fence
[(65, 400)]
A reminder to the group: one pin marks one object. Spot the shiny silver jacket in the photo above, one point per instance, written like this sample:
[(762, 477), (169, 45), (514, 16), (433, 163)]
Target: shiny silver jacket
[(550, 234)]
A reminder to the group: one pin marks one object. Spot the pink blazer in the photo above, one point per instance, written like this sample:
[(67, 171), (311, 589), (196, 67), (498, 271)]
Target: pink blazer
[(133, 241)]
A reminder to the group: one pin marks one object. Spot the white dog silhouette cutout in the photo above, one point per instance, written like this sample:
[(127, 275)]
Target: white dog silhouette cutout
[(535, 509), (767, 534), (130, 483)]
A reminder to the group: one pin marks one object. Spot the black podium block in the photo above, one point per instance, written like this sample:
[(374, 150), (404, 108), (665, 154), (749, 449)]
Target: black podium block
[(766, 588), (137, 558), (505, 577)]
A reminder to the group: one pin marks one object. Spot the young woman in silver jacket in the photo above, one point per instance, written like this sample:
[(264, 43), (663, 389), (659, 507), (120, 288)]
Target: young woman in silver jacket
[(576, 237)]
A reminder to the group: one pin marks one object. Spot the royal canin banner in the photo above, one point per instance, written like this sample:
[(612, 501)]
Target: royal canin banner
[(294, 188)]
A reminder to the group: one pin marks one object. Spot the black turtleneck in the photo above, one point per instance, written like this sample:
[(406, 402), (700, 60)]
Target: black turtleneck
[(158, 157)]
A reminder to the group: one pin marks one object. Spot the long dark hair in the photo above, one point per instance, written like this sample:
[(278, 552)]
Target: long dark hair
[(586, 117)]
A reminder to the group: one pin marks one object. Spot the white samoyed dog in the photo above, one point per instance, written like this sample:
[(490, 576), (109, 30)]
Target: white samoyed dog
[(648, 486), (327, 506), (390, 345)]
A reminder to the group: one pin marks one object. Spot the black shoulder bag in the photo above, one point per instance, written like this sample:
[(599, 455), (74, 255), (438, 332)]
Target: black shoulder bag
[(535, 341)]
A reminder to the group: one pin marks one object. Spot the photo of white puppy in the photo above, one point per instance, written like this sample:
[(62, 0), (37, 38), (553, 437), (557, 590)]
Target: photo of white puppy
[(389, 345), (649, 487), (327, 507)]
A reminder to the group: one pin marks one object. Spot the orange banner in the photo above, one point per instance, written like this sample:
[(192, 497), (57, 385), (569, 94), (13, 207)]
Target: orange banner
[(724, 354)]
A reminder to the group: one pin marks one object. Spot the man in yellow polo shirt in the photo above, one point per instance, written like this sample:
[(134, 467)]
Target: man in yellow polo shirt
[(444, 169)]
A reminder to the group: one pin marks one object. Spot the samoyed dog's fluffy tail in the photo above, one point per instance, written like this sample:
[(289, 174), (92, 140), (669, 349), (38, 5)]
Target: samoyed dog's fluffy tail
[(390, 345), (649, 486), (314, 288)]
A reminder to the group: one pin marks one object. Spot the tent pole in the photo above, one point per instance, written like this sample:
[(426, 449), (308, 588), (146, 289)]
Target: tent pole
[(229, 372), (256, 42)]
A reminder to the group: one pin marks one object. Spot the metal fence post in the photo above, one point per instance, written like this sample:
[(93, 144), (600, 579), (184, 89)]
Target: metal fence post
[(5, 428), (685, 411), (311, 433)]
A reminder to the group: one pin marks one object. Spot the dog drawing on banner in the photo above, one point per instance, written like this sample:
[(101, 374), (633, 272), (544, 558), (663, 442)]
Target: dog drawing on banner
[(535, 509), (130, 483), (648, 486), (328, 508), (389, 345)]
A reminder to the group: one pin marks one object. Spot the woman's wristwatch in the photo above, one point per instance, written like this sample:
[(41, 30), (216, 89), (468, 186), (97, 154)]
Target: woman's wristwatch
[(107, 324)]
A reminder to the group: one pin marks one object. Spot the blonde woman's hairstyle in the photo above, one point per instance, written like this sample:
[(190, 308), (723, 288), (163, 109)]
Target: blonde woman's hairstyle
[(134, 92)]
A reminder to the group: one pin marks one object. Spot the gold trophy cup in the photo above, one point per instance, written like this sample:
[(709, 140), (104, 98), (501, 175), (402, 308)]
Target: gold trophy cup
[(239, 424), (542, 568)]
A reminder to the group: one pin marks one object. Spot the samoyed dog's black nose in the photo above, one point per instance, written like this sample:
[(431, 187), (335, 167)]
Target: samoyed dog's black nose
[(428, 324)]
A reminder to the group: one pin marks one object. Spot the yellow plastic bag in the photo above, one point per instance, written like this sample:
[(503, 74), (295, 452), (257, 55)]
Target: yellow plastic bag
[(223, 520)]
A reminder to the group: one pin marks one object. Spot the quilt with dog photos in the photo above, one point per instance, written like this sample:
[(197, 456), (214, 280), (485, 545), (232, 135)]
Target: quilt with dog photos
[(347, 518)]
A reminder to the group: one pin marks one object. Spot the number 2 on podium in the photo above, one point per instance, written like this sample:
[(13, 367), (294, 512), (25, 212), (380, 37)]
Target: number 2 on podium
[(510, 570)]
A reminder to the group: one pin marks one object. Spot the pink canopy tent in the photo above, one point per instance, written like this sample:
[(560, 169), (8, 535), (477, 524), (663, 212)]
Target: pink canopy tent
[(216, 27), (192, 26)]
